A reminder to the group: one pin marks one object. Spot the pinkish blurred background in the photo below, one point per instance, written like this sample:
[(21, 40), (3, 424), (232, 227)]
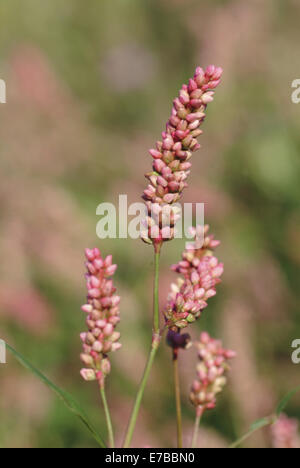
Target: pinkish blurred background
[(88, 91)]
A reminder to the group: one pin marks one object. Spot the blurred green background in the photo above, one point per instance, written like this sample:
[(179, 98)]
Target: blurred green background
[(89, 88)]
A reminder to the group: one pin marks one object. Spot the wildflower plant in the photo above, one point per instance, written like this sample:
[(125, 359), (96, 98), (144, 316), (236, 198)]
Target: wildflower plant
[(102, 309), (167, 180), (198, 273), (200, 270)]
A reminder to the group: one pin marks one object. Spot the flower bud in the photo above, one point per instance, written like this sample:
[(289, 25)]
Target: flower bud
[(88, 374), (105, 366), (86, 359), (97, 346)]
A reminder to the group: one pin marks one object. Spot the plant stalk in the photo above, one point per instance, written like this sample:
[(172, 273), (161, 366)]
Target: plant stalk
[(199, 413), (140, 393), (156, 338), (107, 417), (156, 321), (177, 398)]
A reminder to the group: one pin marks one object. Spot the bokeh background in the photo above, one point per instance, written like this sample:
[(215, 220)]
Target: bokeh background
[(89, 88)]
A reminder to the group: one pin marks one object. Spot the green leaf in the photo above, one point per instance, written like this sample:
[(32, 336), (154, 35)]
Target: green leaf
[(68, 400), (283, 403), (260, 424), (256, 426), (267, 421)]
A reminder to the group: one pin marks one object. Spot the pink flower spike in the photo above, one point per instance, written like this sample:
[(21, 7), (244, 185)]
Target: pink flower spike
[(103, 315), (213, 363), (179, 142), (201, 273)]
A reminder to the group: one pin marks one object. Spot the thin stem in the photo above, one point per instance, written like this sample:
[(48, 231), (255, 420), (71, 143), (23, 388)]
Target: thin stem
[(156, 338), (199, 413), (108, 418), (156, 321), (140, 394), (177, 398)]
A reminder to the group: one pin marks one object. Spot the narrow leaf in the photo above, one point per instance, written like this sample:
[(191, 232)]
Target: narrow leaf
[(268, 420), (68, 400), (256, 426), (260, 424), (283, 403)]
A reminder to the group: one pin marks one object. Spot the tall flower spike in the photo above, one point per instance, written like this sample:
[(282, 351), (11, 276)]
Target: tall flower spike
[(102, 309), (201, 273), (285, 433), (213, 363), (171, 157)]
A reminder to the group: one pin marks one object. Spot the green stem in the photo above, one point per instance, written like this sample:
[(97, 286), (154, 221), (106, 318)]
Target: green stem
[(199, 413), (156, 321), (177, 398), (156, 338), (108, 418), (140, 393)]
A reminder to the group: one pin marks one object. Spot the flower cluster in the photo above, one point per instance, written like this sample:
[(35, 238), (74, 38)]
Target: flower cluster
[(102, 309), (210, 372), (201, 273), (285, 433), (171, 157)]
